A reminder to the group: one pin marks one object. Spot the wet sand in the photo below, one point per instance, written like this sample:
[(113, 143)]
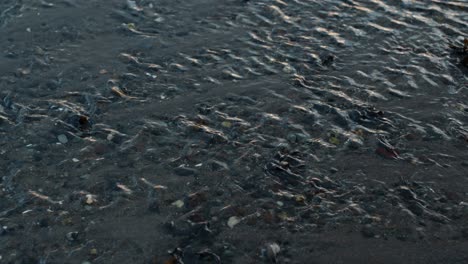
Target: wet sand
[(233, 131)]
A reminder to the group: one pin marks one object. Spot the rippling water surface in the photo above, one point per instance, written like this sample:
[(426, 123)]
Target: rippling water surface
[(130, 128)]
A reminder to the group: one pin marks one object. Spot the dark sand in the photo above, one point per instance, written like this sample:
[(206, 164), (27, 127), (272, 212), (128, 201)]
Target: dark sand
[(231, 131)]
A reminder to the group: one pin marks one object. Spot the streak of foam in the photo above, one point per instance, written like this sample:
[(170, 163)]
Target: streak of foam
[(277, 11), (336, 36)]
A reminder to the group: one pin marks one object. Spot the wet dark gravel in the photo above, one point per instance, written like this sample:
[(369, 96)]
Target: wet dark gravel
[(231, 131)]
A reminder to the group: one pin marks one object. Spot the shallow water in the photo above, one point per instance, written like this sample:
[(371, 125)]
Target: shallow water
[(295, 115)]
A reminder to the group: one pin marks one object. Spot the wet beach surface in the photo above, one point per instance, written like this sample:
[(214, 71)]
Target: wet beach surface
[(233, 131)]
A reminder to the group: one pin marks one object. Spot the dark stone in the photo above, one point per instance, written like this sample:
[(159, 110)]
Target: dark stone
[(368, 231), (153, 206), (3, 231), (184, 171), (464, 232), (72, 236), (327, 60), (44, 222)]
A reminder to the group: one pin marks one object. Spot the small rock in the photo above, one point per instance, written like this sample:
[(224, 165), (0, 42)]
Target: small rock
[(233, 221), (327, 60), (300, 137), (368, 231), (272, 251), (153, 205), (228, 253), (133, 5), (354, 143), (3, 230), (334, 140), (178, 203), (461, 210), (464, 232), (62, 138), (421, 232), (93, 252), (43, 222), (90, 199), (184, 171), (291, 137), (226, 124), (72, 236), (197, 198)]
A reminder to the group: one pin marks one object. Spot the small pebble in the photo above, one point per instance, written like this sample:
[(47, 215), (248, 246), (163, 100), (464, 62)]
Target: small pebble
[(3, 230), (354, 143), (272, 250), (291, 137), (184, 171), (72, 236), (368, 231), (233, 221), (178, 203), (90, 199), (62, 138)]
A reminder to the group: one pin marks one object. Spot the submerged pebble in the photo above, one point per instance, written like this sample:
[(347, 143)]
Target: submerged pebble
[(233, 221), (62, 138), (272, 250), (184, 171)]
